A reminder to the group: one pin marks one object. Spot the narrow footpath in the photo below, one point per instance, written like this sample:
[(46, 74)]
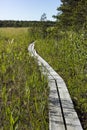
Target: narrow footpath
[(62, 115)]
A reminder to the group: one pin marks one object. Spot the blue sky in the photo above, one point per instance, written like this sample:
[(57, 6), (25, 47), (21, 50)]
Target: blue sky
[(27, 9)]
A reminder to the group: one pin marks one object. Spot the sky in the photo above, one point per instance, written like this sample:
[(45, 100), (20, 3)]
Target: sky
[(28, 9)]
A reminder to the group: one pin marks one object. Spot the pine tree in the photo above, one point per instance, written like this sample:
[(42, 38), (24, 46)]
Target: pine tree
[(66, 12), (80, 14), (73, 13)]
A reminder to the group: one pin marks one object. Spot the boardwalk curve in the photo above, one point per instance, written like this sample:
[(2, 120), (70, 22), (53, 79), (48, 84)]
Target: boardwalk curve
[(62, 115)]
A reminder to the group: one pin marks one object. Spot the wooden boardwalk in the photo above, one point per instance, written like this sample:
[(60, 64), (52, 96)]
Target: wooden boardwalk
[(62, 115)]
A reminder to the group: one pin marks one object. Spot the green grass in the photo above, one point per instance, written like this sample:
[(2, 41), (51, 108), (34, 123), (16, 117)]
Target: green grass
[(23, 89), (68, 56)]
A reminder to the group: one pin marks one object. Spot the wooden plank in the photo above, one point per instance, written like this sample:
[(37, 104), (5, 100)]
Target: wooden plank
[(55, 114), (62, 115), (70, 115)]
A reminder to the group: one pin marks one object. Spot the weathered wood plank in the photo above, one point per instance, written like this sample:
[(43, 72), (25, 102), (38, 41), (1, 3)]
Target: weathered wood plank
[(55, 114), (70, 115), (62, 115)]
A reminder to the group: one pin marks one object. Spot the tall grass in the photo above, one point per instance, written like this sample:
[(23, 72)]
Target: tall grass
[(23, 90), (68, 56)]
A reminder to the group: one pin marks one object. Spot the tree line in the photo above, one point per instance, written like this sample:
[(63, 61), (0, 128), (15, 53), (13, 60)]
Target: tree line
[(13, 23)]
